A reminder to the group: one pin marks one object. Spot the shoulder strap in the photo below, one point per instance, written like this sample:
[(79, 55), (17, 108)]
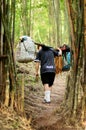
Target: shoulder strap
[(26, 48)]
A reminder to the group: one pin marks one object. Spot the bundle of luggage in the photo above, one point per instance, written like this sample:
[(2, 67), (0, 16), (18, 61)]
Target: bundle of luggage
[(63, 63), (25, 50)]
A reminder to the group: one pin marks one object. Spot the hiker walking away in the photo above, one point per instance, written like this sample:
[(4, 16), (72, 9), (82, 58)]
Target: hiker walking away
[(45, 59)]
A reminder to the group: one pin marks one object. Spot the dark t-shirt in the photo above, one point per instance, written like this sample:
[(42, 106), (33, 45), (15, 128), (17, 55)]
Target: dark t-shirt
[(46, 59)]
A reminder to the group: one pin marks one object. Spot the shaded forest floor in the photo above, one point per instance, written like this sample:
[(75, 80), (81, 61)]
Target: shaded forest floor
[(40, 116)]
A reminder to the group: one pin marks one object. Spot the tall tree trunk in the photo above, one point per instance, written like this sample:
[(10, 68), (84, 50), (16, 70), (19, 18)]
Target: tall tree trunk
[(75, 90), (1, 53), (84, 69), (56, 4), (25, 17), (52, 25)]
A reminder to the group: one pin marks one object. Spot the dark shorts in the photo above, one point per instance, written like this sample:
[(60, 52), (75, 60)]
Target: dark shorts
[(48, 78)]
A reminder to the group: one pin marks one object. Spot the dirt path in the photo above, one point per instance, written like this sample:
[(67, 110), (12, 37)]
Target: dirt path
[(47, 116), (44, 115)]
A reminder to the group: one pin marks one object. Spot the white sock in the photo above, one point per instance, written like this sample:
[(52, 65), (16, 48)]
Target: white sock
[(47, 95)]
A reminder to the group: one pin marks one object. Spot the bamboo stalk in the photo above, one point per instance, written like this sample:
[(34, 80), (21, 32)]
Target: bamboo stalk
[(7, 91), (22, 94), (10, 48), (12, 99)]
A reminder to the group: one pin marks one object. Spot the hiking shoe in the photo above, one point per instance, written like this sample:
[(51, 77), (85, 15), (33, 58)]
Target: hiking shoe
[(46, 102)]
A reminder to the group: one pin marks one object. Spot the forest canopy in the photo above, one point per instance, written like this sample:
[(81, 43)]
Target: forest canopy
[(38, 19)]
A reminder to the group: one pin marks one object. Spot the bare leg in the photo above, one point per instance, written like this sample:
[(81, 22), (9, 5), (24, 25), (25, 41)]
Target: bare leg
[(46, 87)]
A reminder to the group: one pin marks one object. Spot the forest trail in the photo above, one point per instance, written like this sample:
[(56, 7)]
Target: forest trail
[(38, 116), (44, 116)]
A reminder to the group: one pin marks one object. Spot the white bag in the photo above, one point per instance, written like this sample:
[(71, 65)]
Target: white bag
[(25, 51), (65, 62)]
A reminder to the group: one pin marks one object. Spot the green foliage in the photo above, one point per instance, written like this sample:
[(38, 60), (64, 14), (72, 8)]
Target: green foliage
[(38, 21)]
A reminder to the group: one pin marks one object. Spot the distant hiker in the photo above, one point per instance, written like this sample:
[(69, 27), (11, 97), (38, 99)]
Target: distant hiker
[(66, 54), (45, 58)]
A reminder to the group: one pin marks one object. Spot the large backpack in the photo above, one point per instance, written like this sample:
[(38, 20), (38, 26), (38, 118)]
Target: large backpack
[(66, 61), (25, 50)]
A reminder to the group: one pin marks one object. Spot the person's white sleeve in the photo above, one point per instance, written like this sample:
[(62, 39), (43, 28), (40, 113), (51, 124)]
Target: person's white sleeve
[(60, 52), (36, 60)]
